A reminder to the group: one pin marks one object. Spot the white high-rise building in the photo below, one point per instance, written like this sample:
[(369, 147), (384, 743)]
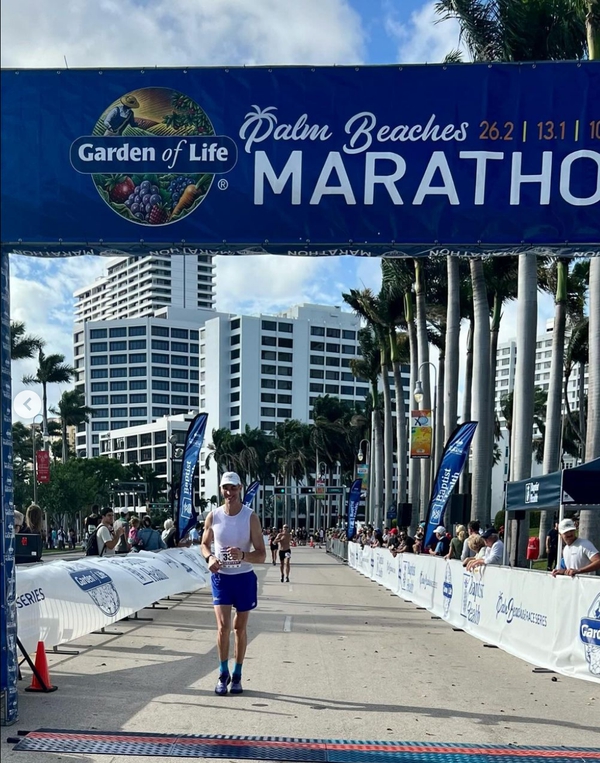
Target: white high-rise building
[(506, 363), (135, 287)]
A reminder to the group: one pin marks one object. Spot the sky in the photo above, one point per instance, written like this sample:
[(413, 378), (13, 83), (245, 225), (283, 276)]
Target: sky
[(213, 32)]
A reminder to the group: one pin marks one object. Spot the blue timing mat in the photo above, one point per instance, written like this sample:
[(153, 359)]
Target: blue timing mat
[(289, 749)]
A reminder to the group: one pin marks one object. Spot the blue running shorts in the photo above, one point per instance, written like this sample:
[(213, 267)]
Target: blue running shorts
[(239, 591)]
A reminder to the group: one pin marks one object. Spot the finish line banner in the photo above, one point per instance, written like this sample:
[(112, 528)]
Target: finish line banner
[(368, 161)]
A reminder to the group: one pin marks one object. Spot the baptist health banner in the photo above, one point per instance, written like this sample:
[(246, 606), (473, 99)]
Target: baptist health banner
[(355, 160), (61, 601), (550, 622)]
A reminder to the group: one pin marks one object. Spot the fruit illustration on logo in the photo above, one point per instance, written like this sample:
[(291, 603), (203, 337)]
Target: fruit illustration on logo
[(149, 198)]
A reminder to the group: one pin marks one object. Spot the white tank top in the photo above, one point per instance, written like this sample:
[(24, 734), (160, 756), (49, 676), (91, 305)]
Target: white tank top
[(233, 532)]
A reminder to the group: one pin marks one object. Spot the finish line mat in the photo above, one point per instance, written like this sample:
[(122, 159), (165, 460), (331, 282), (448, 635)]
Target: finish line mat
[(289, 749)]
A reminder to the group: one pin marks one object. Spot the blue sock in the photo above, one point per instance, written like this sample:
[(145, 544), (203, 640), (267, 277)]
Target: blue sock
[(237, 670), (224, 666)]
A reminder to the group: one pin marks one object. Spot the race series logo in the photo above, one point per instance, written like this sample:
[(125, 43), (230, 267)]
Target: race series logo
[(153, 155), (99, 586), (589, 633), (447, 590)]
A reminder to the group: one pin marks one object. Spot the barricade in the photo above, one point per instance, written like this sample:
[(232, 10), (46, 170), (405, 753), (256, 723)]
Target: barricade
[(63, 600), (553, 623)]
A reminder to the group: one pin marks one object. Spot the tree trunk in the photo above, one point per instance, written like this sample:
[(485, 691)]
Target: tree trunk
[(452, 348), (45, 440), (589, 522), (553, 434), (401, 435), (522, 426), (378, 441), (464, 481), (414, 478), (388, 441), (423, 358), (482, 454), (64, 441)]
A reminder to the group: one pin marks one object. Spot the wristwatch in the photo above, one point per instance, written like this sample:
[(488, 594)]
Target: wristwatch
[(206, 558)]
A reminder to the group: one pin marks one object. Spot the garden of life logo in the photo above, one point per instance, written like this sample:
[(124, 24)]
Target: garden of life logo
[(153, 155), (447, 590), (99, 586), (589, 633)]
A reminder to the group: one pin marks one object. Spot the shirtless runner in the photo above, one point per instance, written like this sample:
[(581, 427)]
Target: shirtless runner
[(284, 539)]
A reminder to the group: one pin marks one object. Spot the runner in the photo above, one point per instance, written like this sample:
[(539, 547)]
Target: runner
[(273, 545), (234, 529), (284, 540)]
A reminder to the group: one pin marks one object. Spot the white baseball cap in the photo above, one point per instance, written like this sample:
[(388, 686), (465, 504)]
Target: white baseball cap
[(440, 530), (566, 525), (230, 478)]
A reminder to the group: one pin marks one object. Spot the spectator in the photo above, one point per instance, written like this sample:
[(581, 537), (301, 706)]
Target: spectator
[(552, 546), (148, 538), (579, 555), (33, 520), (72, 539), (457, 543), (407, 544), (132, 538), (494, 550), (106, 537), (467, 552), (19, 519), (476, 546), (443, 543), (169, 534)]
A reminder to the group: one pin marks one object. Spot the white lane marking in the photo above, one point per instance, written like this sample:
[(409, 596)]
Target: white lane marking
[(287, 625)]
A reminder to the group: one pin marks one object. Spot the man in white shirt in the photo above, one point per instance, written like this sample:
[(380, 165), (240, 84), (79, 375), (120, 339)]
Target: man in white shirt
[(494, 550), (107, 539), (579, 555)]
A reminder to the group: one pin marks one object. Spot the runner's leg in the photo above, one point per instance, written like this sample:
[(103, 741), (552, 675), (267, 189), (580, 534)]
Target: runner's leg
[(240, 623), (223, 615)]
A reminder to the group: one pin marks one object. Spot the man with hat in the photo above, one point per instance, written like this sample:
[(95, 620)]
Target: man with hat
[(121, 116), (442, 545), (579, 555), (235, 531), (494, 550)]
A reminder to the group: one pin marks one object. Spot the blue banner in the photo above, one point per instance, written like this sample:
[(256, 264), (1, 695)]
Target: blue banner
[(353, 503), (451, 465), (251, 493), (186, 514), (368, 160)]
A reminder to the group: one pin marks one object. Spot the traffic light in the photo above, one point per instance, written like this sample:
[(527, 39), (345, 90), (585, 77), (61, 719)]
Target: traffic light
[(280, 491)]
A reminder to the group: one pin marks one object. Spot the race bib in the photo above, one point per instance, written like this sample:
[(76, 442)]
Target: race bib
[(225, 560)]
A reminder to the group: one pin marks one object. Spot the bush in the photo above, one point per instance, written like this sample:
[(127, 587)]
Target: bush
[(499, 519)]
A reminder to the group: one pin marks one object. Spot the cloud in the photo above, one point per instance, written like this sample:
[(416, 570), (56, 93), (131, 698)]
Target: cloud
[(102, 33), (424, 38)]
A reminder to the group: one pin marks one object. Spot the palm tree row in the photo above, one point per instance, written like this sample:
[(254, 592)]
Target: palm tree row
[(52, 369), (294, 450)]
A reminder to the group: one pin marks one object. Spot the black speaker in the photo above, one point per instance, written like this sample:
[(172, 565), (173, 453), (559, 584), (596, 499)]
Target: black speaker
[(460, 509), (520, 515), (404, 514)]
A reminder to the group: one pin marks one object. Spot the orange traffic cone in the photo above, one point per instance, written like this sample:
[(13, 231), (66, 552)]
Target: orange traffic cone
[(41, 675)]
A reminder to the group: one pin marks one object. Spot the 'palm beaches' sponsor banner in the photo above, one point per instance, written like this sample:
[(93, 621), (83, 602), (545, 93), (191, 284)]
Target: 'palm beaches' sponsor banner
[(552, 623), (64, 600), (313, 161)]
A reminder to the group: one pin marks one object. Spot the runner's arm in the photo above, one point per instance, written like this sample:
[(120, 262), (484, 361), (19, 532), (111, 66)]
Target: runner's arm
[(207, 539), (259, 554)]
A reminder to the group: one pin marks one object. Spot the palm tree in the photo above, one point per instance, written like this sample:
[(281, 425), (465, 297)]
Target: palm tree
[(72, 411), (522, 30), (367, 367), (423, 361), (589, 523), (21, 344), (452, 346), (220, 451), (482, 406), (52, 369)]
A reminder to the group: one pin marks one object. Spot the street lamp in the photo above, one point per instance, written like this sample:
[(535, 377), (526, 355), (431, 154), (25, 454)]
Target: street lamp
[(176, 453), (366, 456)]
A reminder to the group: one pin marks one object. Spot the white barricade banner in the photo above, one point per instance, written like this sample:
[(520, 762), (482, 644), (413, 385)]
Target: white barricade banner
[(550, 622), (60, 601)]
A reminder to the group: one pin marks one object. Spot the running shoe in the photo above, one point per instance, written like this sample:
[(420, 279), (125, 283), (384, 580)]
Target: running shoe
[(223, 683), (287, 580), (282, 578), (236, 685)]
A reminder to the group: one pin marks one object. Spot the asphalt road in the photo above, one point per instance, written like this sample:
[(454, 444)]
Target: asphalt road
[(330, 655)]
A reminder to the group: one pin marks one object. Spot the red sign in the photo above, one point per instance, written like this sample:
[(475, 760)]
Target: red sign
[(42, 460)]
